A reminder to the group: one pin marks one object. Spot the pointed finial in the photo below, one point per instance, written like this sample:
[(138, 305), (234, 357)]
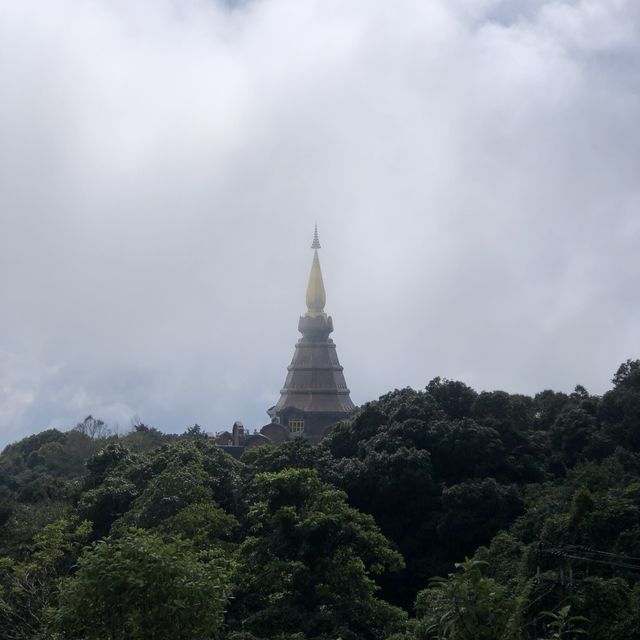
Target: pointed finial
[(316, 243), (316, 296)]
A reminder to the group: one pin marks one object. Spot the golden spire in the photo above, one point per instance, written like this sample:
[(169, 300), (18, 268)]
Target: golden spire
[(316, 296)]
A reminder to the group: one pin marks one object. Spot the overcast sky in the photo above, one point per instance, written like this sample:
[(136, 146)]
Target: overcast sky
[(473, 167)]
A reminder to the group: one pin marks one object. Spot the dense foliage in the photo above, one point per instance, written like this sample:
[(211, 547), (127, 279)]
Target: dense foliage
[(435, 514)]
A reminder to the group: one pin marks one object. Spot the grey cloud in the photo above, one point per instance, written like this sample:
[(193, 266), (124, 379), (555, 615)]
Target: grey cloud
[(472, 167)]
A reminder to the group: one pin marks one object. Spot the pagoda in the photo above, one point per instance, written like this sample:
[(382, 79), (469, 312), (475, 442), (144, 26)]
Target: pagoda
[(315, 395)]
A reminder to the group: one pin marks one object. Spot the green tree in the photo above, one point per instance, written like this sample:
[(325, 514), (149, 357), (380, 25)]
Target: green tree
[(619, 411), (143, 438), (107, 502), (310, 562), (29, 587), (454, 397), (142, 588), (562, 625), (194, 432), (466, 606), (296, 453), (204, 524), (105, 462), (572, 433), (171, 490), (142, 490), (474, 511)]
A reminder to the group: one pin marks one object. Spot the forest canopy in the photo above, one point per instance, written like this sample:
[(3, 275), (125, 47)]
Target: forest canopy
[(442, 513)]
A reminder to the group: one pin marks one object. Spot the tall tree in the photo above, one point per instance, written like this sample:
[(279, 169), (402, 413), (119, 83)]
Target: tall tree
[(309, 564)]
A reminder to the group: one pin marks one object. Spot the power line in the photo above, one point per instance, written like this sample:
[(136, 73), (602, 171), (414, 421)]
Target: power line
[(571, 552)]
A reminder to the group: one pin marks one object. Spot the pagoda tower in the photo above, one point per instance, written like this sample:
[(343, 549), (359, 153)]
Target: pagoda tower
[(315, 395)]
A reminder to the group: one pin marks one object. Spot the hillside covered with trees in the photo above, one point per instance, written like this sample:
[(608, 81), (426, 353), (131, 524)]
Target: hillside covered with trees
[(435, 514)]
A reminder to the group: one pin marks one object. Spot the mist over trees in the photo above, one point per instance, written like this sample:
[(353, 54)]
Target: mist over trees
[(441, 513)]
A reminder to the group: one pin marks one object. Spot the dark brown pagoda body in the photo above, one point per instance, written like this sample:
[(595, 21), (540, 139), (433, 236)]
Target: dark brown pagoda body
[(315, 395)]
